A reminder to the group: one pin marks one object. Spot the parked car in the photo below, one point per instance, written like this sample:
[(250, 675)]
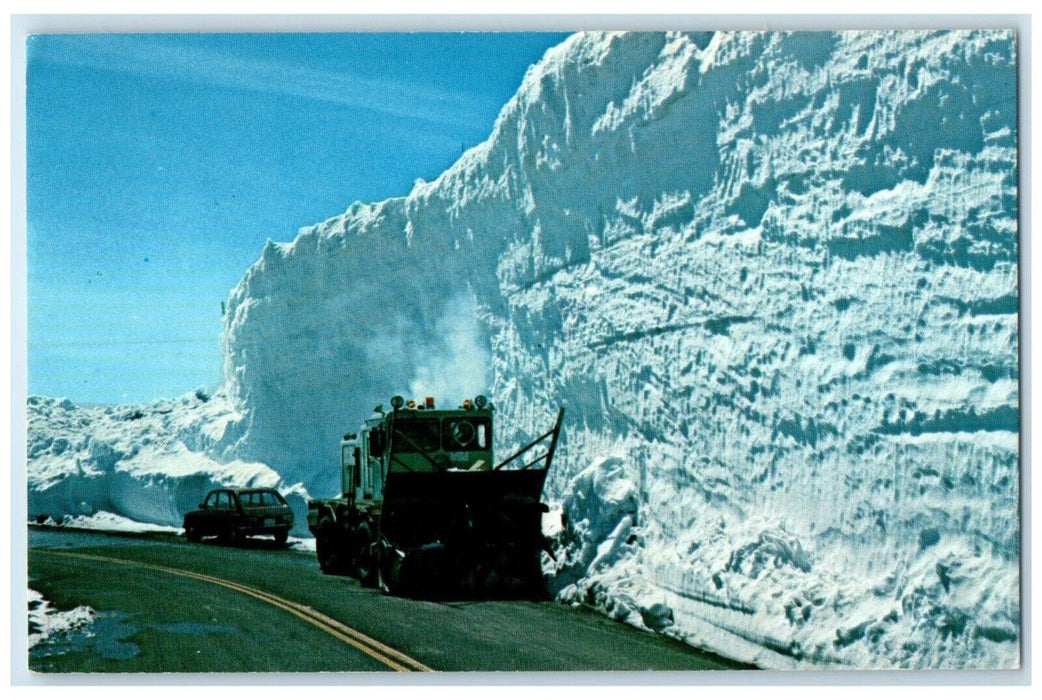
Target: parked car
[(232, 514)]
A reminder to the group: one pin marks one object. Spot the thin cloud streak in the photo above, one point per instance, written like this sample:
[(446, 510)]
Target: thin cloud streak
[(147, 56)]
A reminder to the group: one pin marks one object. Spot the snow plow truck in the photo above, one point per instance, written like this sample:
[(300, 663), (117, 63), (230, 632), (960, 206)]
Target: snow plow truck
[(425, 511)]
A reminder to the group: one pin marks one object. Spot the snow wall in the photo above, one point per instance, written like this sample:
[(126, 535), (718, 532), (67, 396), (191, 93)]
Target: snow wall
[(773, 279)]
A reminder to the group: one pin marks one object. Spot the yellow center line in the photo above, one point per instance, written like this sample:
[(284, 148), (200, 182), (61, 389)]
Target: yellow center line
[(378, 650)]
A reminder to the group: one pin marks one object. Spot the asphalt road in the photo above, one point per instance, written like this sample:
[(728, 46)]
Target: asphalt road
[(167, 605)]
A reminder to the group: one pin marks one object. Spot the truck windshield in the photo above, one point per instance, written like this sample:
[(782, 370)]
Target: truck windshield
[(417, 434), (461, 434)]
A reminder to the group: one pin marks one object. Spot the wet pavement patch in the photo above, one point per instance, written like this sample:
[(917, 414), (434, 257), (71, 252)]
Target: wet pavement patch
[(107, 637), (194, 628), (104, 636)]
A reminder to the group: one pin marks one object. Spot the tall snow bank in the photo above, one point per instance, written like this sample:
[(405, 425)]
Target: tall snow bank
[(151, 463), (774, 279)]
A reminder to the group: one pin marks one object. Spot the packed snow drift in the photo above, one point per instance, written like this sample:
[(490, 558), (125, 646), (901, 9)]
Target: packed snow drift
[(100, 466), (773, 278)]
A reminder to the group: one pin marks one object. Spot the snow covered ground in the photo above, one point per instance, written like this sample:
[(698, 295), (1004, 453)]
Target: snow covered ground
[(773, 278), (47, 624)]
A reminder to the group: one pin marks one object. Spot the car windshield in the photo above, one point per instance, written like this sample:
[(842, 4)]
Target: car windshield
[(219, 500), (261, 498)]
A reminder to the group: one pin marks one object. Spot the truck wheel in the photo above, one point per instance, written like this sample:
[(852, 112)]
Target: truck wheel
[(390, 571), (364, 556), (365, 570), (329, 549)]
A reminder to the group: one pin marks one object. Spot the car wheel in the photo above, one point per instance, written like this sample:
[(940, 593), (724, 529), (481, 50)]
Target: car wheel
[(192, 534), (281, 537), (227, 536)]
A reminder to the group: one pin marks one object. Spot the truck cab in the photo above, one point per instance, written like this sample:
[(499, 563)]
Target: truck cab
[(361, 473), (416, 438)]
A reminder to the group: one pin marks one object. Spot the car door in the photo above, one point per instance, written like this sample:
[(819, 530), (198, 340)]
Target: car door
[(209, 522), (236, 514), (220, 514)]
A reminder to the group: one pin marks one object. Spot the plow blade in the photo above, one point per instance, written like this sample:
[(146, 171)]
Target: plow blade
[(462, 532)]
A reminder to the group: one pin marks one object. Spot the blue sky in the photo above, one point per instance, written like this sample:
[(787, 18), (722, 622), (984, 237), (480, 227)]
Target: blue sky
[(159, 164)]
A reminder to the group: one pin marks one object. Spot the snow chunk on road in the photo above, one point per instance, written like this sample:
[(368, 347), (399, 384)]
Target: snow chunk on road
[(47, 623)]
